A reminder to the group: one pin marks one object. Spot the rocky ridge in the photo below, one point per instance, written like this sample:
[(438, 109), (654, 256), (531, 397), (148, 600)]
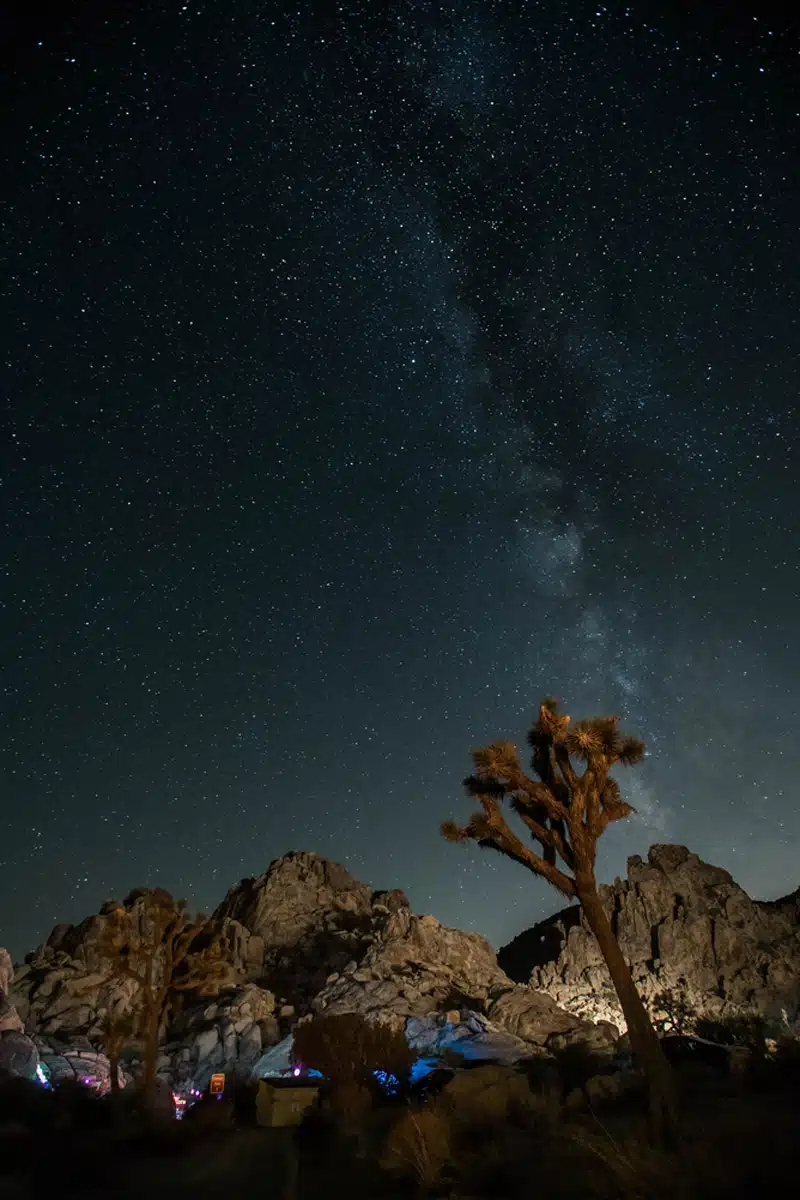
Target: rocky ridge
[(684, 926), (304, 937), (307, 937)]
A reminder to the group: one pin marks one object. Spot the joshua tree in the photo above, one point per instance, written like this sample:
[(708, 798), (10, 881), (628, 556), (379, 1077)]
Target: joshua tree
[(119, 1029), (154, 942), (566, 810)]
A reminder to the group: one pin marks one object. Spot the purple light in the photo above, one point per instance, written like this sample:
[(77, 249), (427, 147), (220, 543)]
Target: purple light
[(296, 1071)]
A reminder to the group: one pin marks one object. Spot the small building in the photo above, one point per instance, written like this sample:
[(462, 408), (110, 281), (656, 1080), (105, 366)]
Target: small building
[(282, 1102)]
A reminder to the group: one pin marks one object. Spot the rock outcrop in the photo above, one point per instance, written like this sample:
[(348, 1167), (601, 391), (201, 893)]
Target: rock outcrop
[(10, 1020), (79, 1063), (418, 968), (414, 966), (303, 919), (64, 989), (304, 937), (683, 925), (307, 937), (228, 1033), (18, 1053)]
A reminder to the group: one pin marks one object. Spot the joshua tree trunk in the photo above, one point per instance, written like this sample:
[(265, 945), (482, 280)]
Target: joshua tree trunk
[(662, 1111), (113, 1066)]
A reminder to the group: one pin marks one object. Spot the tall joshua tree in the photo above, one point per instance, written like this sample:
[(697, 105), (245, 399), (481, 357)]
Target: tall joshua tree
[(566, 810), (154, 942)]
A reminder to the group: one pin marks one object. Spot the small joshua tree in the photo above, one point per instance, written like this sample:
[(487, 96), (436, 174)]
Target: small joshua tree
[(118, 1029), (154, 942), (565, 811)]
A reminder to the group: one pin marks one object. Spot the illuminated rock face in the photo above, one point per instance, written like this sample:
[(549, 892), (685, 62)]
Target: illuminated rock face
[(415, 965), (10, 1021), (683, 925)]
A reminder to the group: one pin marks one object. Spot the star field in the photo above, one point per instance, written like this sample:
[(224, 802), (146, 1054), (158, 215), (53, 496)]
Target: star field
[(374, 370)]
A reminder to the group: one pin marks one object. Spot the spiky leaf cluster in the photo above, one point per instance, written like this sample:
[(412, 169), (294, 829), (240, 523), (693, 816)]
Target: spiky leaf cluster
[(566, 803)]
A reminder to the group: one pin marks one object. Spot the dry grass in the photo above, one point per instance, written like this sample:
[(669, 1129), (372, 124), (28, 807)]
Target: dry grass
[(420, 1147)]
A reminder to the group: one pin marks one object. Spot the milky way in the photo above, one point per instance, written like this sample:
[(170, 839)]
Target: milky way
[(373, 375)]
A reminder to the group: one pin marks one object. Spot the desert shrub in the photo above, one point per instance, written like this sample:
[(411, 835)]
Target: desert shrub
[(541, 1073), (627, 1168), (490, 1097), (346, 1048), (672, 1012), (419, 1148), (746, 1029), (576, 1064), (350, 1104)]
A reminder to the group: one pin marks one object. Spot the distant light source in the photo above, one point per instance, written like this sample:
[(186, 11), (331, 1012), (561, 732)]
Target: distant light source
[(296, 1071)]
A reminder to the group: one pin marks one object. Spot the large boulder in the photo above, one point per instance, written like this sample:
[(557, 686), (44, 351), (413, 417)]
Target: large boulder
[(684, 926), (474, 1038), (414, 966), (18, 1055), (78, 1064), (62, 996), (469, 1035), (537, 1020)]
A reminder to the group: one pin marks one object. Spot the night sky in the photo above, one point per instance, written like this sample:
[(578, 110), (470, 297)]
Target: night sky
[(373, 370)]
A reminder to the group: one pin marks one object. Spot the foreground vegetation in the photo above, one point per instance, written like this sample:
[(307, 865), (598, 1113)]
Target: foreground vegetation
[(570, 1127)]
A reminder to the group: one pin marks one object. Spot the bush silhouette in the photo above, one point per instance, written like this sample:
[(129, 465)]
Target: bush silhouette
[(347, 1048)]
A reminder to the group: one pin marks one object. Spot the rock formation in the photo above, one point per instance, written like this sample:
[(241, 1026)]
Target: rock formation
[(228, 1033), (10, 1020), (308, 937), (684, 925), (18, 1053), (76, 1062), (304, 937), (417, 967), (414, 965), (305, 918)]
